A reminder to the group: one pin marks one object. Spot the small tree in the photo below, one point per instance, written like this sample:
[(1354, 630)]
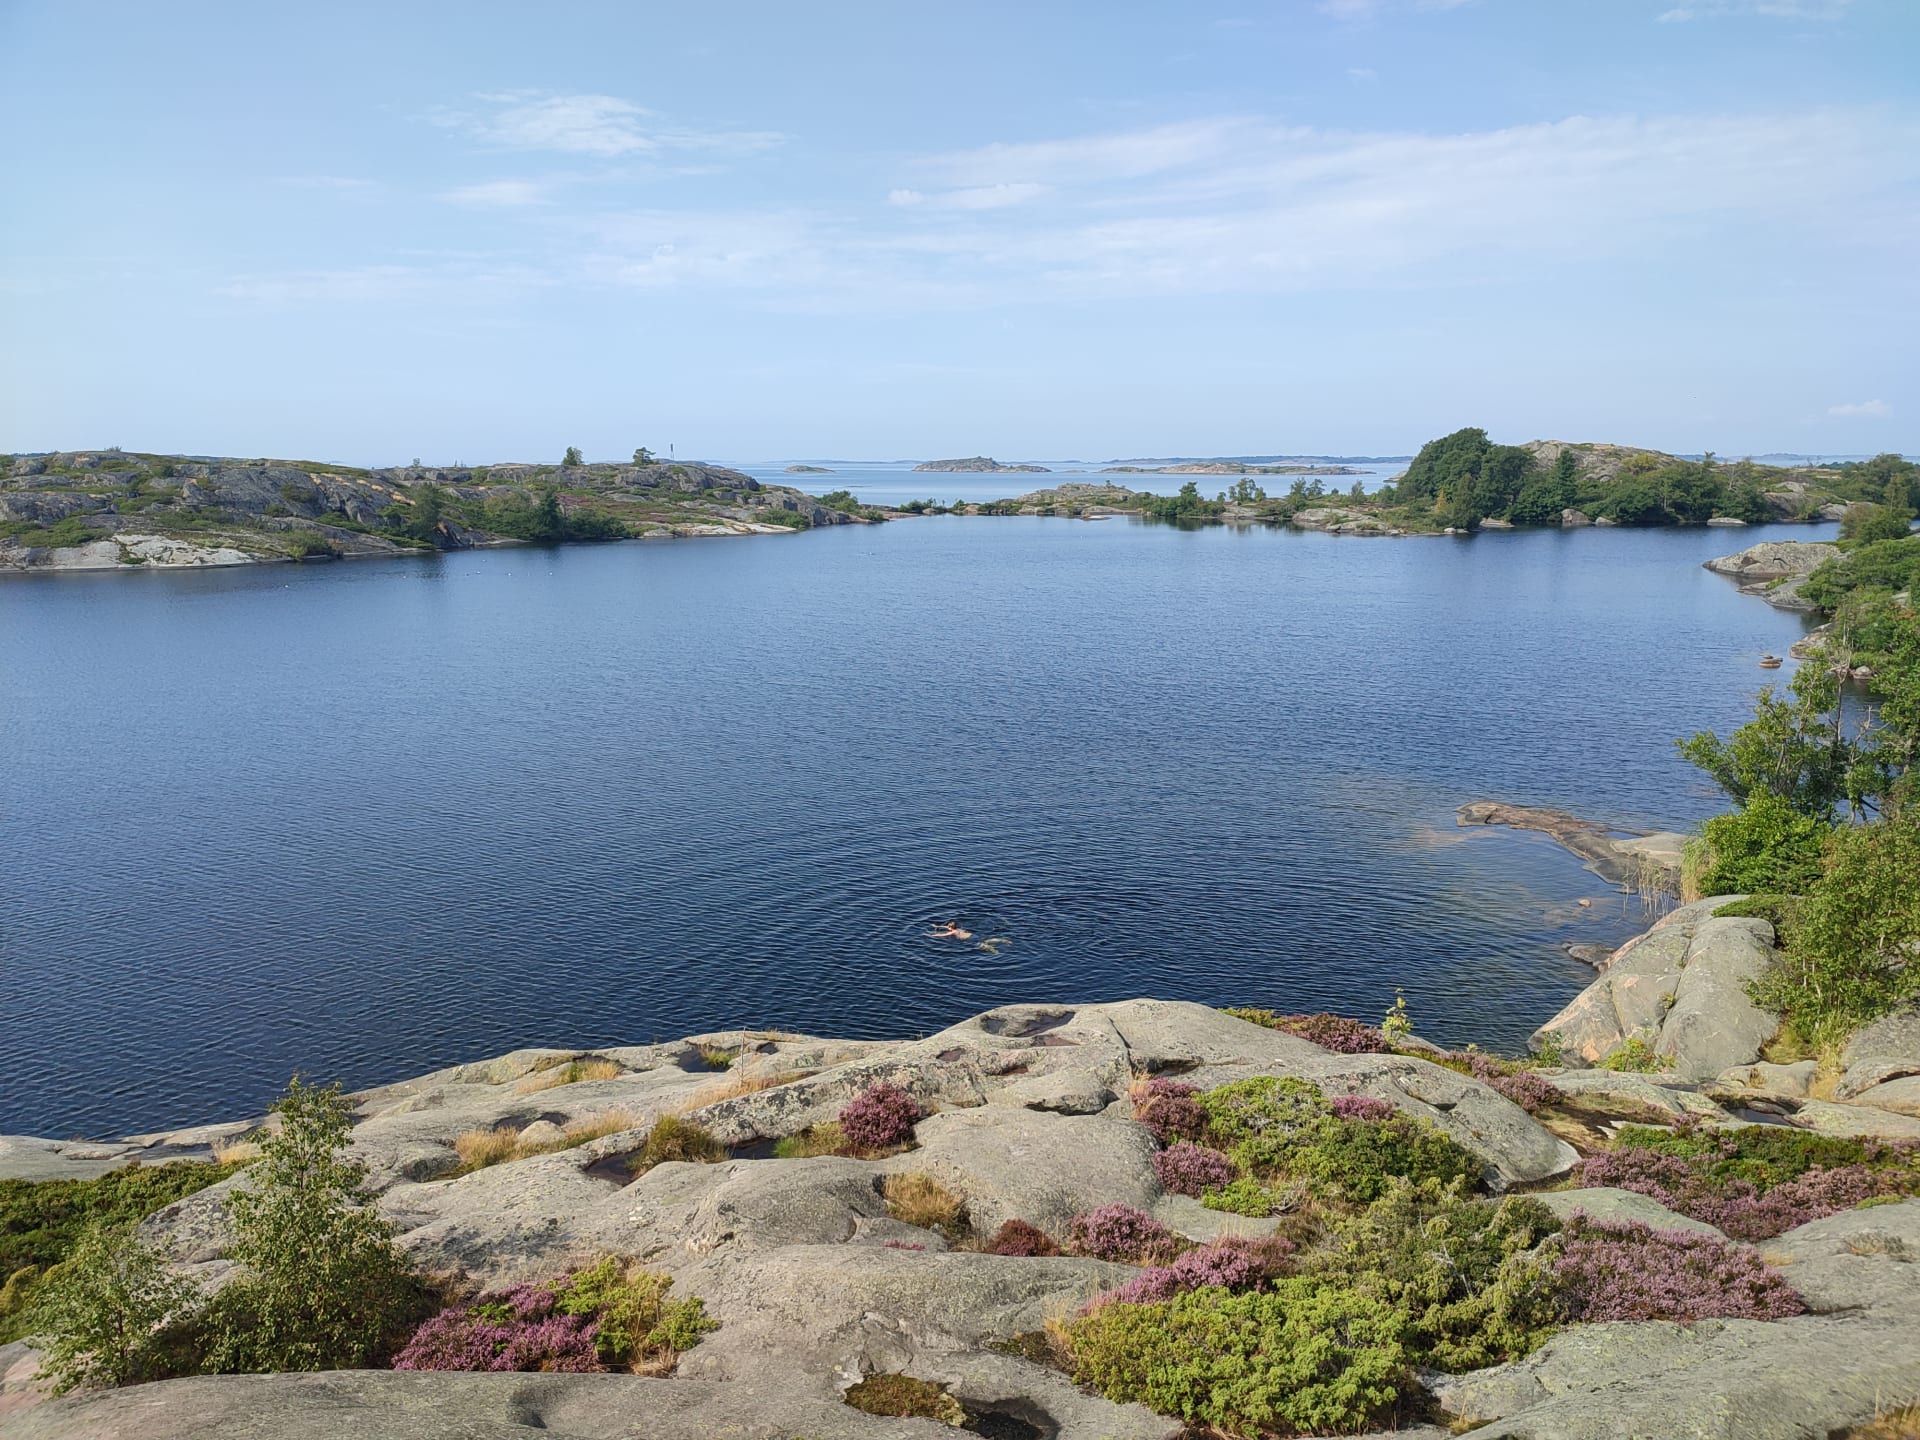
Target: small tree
[(572, 457), (643, 456), (103, 1314), (323, 1286)]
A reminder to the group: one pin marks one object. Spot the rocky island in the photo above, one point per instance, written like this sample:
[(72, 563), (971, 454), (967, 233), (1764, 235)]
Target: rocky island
[(107, 509), (979, 464), (808, 470)]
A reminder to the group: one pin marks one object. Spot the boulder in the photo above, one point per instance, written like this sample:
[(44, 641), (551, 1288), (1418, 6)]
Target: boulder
[(1604, 1202), (1571, 519)]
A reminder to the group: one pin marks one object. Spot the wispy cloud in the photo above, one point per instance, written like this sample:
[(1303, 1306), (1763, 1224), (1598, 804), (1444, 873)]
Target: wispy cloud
[(501, 194), (339, 184), (1861, 410), (602, 125), (1775, 9), (975, 197)]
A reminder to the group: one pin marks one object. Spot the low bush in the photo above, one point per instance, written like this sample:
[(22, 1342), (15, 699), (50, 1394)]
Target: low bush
[(903, 1397), (1122, 1233), (1635, 1056), (1247, 1196), (1330, 1032), (321, 1285), (110, 1314), (41, 1221), (637, 1327), (1298, 1357), (1360, 1107), (1623, 1270), (1017, 1237), (1460, 1269), (1188, 1169), (1766, 846), (675, 1138), (879, 1118), (1166, 1107)]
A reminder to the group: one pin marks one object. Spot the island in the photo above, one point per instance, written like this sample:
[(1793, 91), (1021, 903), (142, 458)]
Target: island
[(808, 470), (108, 509), (978, 464), (1229, 467)]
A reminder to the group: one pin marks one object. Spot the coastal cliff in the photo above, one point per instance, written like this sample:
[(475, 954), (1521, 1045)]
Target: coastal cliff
[(108, 509)]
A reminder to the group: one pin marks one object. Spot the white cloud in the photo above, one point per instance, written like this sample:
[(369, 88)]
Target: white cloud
[(975, 197), (500, 194), (602, 125), (1861, 410), (341, 184), (1360, 72), (1775, 9)]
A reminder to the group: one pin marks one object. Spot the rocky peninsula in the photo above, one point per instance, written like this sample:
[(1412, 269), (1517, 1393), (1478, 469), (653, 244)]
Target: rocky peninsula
[(979, 464), (826, 1271), (115, 510)]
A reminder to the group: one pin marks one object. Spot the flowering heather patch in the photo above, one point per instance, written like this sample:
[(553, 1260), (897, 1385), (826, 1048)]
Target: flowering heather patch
[(1531, 1092), (1167, 1108), (1754, 1183), (1233, 1263), (1628, 1271), (879, 1117), (1120, 1232), (1017, 1237), (1188, 1169), (1360, 1107), (903, 1245), (515, 1329), (1329, 1032)]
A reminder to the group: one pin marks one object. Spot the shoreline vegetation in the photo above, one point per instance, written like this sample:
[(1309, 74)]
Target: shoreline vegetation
[(112, 510)]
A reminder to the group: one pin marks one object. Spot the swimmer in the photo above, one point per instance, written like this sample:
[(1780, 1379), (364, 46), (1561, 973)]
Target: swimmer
[(949, 931)]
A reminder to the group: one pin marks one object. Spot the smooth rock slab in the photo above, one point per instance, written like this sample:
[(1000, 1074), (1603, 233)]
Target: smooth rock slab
[(1605, 1202)]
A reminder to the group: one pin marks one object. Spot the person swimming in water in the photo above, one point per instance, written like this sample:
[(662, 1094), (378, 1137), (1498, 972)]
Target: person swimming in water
[(949, 931)]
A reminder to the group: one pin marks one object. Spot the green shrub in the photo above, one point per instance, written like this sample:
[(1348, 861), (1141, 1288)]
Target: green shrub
[(638, 1326), (322, 1285), (1359, 1159), (71, 531), (42, 1220), (1635, 1056), (1263, 1119), (1247, 1196), (1766, 845), (1300, 1356), (1853, 952), (1458, 1267), (1780, 911), (109, 1314)]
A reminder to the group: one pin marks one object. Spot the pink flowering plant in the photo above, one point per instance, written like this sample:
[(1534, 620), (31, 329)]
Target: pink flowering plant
[(1184, 1168), (879, 1118), (1623, 1270), (1122, 1233), (1329, 1032)]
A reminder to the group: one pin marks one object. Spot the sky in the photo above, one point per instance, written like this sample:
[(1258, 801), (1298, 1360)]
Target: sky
[(481, 232)]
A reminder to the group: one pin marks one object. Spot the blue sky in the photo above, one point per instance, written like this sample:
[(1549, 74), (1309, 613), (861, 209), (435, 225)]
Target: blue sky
[(483, 232)]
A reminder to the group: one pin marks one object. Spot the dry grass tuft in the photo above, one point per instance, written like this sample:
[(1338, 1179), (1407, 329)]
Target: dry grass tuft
[(734, 1086), (902, 1396), (918, 1199), (550, 1074), (236, 1151), (674, 1138), (1901, 1424), (718, 1057), (478, 1149), (595, 1127)]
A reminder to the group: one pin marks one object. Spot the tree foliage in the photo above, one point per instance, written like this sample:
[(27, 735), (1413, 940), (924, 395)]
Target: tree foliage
[(106, 1315)]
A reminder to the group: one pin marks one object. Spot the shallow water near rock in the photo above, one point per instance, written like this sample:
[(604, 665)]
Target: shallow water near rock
[(366, 819)]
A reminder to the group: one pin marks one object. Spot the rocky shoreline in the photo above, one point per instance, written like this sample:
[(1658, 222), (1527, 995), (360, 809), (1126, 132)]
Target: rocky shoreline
[(815, 1283)]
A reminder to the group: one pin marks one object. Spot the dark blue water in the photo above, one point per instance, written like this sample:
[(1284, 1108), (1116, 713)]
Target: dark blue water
[(371, 818)]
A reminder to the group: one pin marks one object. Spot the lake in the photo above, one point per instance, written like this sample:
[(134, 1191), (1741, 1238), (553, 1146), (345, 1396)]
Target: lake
[(366, 819)]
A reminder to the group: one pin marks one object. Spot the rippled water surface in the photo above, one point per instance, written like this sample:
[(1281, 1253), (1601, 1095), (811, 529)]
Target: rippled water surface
[(371, 818)]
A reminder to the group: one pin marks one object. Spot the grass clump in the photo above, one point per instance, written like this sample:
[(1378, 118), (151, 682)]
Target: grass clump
[(919, 1200), (903, 1397), (827, 1139), (478, 1149), (551, 1074), (674, 1137), (718, 1057), (42, 1221)]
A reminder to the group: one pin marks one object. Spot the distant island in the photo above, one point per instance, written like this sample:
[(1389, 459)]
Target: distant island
[(1229, 467), (979, 464), (113, 509), (808, 470)]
